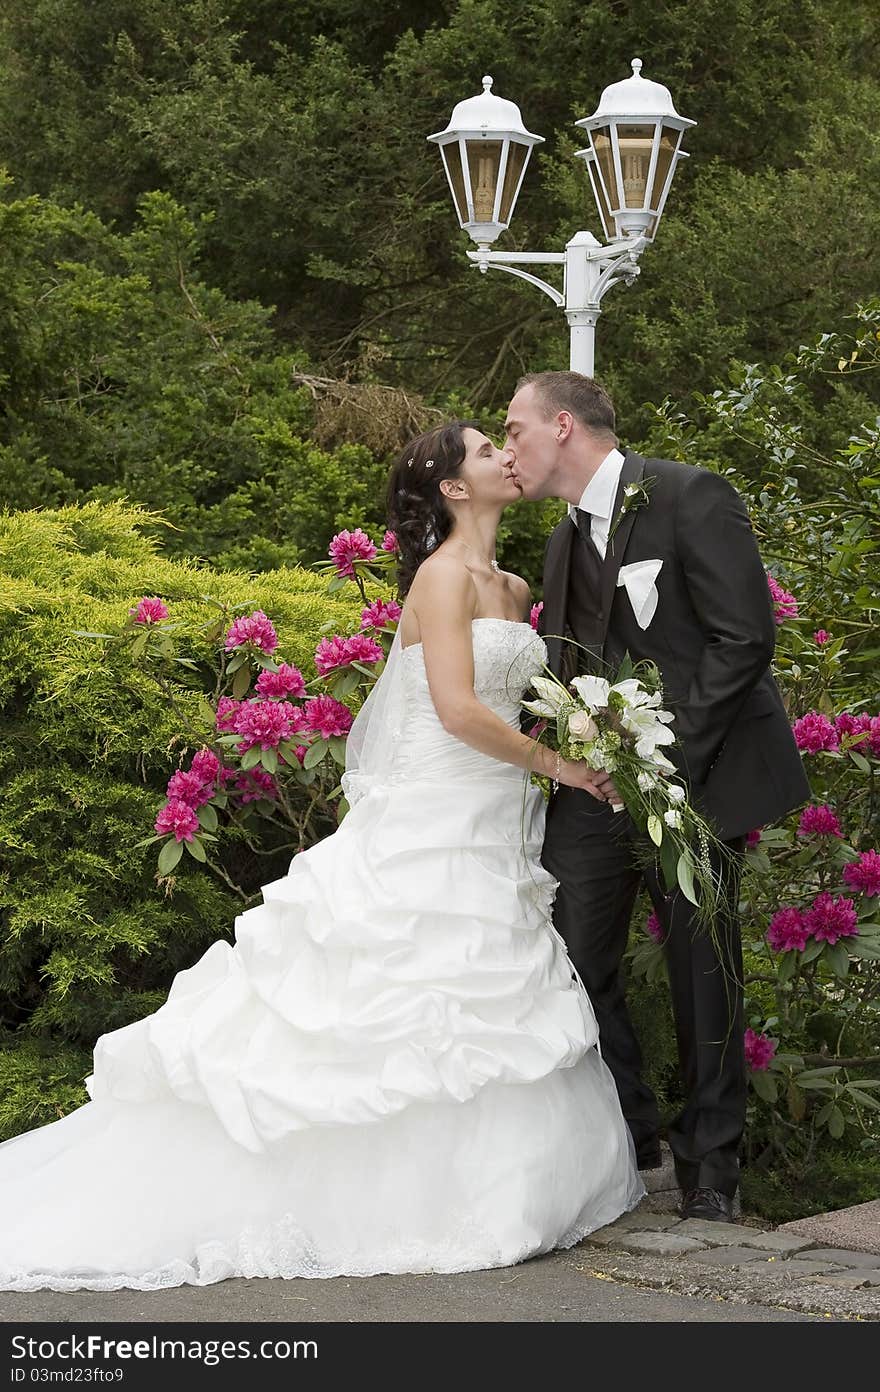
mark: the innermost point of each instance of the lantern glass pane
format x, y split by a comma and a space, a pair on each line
601, 201
516, 158
668, 146
484, 157
636, 144
601, 139
452, 160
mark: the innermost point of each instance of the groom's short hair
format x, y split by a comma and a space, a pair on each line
573, 392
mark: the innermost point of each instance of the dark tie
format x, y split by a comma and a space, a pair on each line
591, 559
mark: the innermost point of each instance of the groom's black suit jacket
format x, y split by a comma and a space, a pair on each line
712, 637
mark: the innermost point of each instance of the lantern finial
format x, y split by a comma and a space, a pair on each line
487, 84
636, 66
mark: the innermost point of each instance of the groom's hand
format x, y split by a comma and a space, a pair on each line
605, 784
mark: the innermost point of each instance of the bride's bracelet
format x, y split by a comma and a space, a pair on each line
557, 771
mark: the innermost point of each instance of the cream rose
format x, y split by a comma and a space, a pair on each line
582, 726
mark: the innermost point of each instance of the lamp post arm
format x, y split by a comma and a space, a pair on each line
500, 262
589, 268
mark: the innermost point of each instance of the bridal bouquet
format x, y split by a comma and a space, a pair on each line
620, 726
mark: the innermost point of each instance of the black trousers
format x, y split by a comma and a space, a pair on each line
590, 850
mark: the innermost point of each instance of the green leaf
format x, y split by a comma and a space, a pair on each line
251, 757
208, 817
786, 968
764, 1085
685, 873
345, 684
337, 583
315, 753
836, 1123
812, 951
287, 750
655, 829
337, 749
207, 712
235, 662
837, 959
860, 761
169, 856
863, 1098
269, 760
343, 807
241, 683
196, 849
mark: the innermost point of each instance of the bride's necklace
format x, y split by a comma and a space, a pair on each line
486, 561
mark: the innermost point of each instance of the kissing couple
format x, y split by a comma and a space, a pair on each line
417, 1055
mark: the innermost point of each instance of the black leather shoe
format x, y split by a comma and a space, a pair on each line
707, 1204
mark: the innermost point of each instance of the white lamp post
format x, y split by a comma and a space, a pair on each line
635, 144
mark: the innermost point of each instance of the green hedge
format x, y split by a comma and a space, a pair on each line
88, 940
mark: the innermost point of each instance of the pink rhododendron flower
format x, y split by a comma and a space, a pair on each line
874, 735
535, 615
753, 838
830, 919
863, 875
784, 604
654, 928
821, 637
819, 821
389, 542
380, 612
327, 717
788, 931
226, 711
265, 723
255, 631
206, 764
149, 611
256, 783
348, 547
189, 788
815, 732
760, 1049
859, 725
287, 681
177, 817
332, 653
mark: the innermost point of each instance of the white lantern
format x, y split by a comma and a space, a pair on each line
635, 139
485, 150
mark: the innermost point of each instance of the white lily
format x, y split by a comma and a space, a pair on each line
593, 691
552, 698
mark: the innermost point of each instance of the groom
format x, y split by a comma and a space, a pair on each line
657, 559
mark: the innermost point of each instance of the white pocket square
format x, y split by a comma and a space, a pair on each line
638, 580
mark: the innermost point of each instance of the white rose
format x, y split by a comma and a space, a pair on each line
672, 818
647, 781
675, 793
582, 726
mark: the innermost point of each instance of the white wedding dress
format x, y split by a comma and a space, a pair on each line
393, 1070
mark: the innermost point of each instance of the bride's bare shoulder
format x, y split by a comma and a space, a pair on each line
519, 588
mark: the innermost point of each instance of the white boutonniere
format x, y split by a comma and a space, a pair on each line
635, 495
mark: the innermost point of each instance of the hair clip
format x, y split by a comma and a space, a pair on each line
409, 463
429, 463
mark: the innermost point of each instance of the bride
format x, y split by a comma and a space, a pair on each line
395, 1068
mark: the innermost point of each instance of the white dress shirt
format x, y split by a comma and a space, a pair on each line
598, 499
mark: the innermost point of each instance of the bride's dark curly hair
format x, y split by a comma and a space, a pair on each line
417, 511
